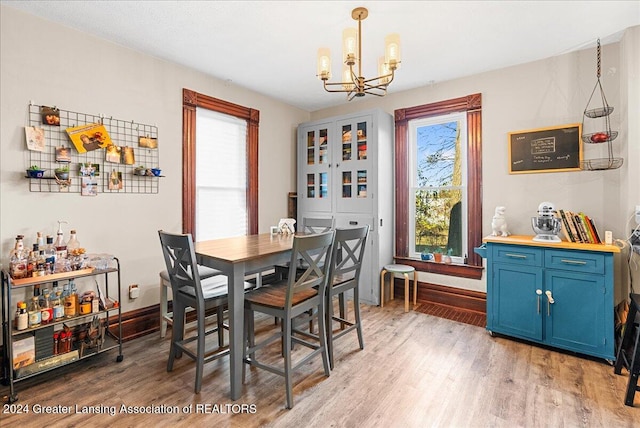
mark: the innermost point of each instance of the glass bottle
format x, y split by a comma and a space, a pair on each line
41, 264
40, 240
46, 310
73, 243
50, 253
71, 301
22, 320
41, 295
18, 259
32, 262
59, 244
35, 316
57, 306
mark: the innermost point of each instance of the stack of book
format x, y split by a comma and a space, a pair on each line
578, 227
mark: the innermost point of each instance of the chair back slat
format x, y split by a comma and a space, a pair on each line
316, 251
180, 258
317, 225
348, 253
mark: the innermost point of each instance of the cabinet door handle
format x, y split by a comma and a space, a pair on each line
539, 293
516, 256
574, 262
550, 302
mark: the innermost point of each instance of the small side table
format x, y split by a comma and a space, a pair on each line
405, 271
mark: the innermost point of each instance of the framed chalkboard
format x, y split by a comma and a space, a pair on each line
553, 149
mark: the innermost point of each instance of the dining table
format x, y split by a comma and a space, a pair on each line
238, 257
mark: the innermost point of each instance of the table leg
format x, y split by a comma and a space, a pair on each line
236, 326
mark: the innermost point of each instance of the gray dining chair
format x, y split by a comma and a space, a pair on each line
344, 275
309, 225
191, 291
297, 297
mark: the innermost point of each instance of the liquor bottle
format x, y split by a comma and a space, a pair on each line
57, 306
18, 259
41, 264
46, 310
41, 295
22, 320
40, 240
50, 253
60, 245
35, 316
71, 301
32, 261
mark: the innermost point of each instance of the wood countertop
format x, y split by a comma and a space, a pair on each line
528, 240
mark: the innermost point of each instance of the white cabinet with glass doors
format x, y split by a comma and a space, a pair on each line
345, 172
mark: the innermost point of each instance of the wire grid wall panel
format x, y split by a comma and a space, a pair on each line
125, 134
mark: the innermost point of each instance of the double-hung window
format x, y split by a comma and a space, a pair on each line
438, 185
438, 181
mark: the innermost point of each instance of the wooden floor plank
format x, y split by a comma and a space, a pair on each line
416, 370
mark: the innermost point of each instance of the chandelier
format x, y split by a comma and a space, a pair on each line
354, 84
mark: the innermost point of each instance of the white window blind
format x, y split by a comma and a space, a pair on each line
221, 175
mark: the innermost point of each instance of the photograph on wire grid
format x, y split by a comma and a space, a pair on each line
86, 138
113, 153
89, 186
35, 138
128, 157
63, 154
115, 180
148, 142
50, 116
89, 169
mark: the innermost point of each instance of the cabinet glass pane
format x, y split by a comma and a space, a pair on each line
311, 147
323, 185
311, 186
346, 184
362, 140
362, 184
346, 142
322, 153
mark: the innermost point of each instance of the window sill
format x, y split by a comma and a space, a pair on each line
463, 271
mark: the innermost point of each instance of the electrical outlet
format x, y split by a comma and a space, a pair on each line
134, 291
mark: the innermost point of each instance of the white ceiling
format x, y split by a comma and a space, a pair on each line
271, 46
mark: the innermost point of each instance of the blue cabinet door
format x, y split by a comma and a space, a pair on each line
576, 319
514, 306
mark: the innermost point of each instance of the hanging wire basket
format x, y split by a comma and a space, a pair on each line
601, 164
603, 133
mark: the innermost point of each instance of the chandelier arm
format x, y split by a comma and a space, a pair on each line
390, 76
341, 84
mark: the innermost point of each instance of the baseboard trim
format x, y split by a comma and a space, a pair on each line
447, 296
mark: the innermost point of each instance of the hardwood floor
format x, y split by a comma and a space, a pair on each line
416, 370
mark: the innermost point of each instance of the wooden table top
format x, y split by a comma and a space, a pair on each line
244, 248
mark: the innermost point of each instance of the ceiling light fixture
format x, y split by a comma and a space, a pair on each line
354, 84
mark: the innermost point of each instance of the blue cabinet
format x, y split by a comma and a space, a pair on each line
561, 297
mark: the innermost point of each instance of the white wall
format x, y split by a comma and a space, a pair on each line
54, 65
544, 93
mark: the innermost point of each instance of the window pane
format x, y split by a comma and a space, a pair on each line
438, 221
438, 155
221, 175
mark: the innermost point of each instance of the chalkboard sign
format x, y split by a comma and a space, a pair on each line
552, 149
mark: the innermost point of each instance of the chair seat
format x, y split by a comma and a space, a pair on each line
275, 294
395, 268
203, 271
213, 288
